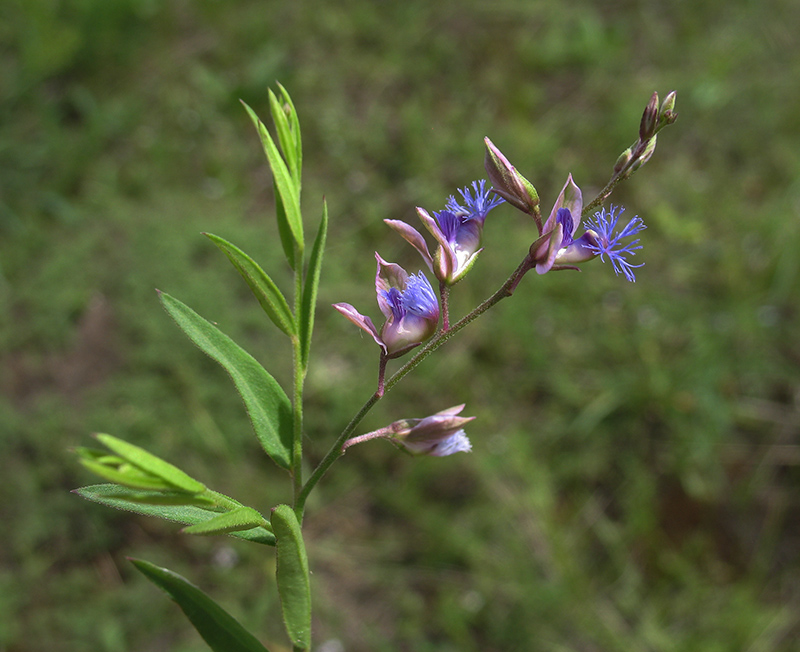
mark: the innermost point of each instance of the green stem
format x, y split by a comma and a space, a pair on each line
444, 293
637, 150
297, 385
335, 452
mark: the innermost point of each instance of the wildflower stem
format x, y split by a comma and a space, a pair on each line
505, 290
298, 378
375, 434
381, 373
444, 293
332, 455
637, 151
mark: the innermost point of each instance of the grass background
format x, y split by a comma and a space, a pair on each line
634, 483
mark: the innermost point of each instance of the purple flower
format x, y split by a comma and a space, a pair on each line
409, 304
438, 435
607, 243
558, 246
457, 229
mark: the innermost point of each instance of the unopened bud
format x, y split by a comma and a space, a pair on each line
647, 127
645, 155
623, 160
667, 115
507, 182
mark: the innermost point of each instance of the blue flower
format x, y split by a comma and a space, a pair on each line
608, 243
477, 202
409, 305
457, 229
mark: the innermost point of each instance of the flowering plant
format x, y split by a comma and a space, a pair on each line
415, 315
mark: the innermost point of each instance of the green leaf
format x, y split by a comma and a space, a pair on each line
287, 189
219, 629
294, 587
151, 464
269, 296
267, 404
285, 233
309, 303
129, 500
127, 475
242, 518
285, 136
294, 125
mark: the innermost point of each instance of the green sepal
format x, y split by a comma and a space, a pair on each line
221, 631
241, 518
152, 465
288, 191
263, 287
294, 587
112, 495
267, 405
310, 287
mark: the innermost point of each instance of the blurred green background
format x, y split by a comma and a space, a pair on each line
636, 466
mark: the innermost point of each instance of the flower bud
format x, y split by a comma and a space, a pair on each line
667, 115
623, 160
438, 435
647, 127
507, 182
644, 156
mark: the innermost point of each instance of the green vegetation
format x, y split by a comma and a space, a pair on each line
634, 483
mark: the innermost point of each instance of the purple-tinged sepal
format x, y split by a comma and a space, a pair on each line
409, 305
508, 183
361, 321
557, 247
438, 435
414, 238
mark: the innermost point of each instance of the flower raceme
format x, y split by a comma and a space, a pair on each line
457, 230
557, 247
409, 305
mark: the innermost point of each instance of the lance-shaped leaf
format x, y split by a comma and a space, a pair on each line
288, 191
152, 465
267, 404
241, 518
269, 296
148, 503
294, 587
283, 127
294, 126
219, 629
309, 303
